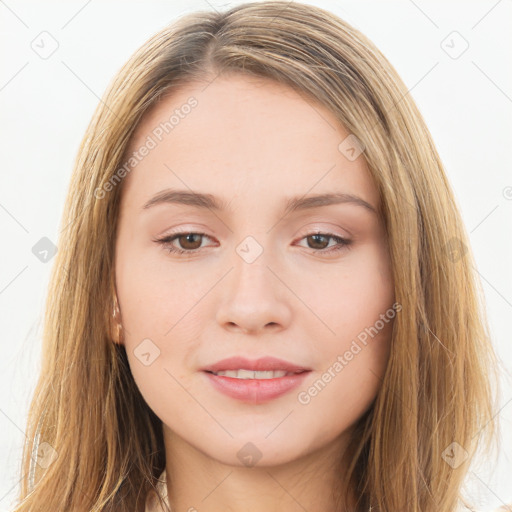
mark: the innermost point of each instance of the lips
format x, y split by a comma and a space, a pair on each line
263, 364
255, 381
255, 391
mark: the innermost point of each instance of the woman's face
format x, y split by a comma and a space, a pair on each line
259, 281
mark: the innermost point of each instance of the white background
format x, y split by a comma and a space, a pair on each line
46, 105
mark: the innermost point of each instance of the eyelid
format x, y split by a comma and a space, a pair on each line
304, 233
329, 229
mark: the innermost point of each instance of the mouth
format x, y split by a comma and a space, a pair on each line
263, 368
255, 387
255, 374
254, 381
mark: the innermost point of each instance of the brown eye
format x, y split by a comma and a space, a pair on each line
187, 241
317, 242
190, 242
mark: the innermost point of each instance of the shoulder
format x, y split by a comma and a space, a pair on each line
152, 502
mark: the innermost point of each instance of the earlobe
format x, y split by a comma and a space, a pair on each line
116, 327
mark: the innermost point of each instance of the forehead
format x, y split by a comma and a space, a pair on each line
243, 137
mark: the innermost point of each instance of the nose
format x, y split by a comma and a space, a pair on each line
254, 299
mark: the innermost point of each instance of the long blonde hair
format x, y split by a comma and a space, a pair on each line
87, 412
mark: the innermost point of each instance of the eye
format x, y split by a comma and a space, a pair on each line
319, 239
191, 242
187, 238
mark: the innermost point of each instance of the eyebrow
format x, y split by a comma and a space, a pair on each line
210, 202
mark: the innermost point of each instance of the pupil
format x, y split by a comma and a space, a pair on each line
316, 237
189, 238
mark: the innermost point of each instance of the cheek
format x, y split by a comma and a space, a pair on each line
161, 325
153, 295
359, 310
354, 359
349, 297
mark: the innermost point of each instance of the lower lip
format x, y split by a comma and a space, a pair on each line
256, 391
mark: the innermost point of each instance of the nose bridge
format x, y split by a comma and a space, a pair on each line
253, 297
254, 237
257, 251
251, 275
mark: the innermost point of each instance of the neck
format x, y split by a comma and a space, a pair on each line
196, 481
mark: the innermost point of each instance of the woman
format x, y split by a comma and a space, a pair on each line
320, 347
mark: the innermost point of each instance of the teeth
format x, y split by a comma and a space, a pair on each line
249, 374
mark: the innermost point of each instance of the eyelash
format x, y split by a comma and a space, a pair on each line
343, 243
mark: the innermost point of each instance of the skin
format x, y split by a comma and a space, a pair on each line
253, 143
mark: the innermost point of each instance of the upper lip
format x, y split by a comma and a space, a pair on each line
261, 364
